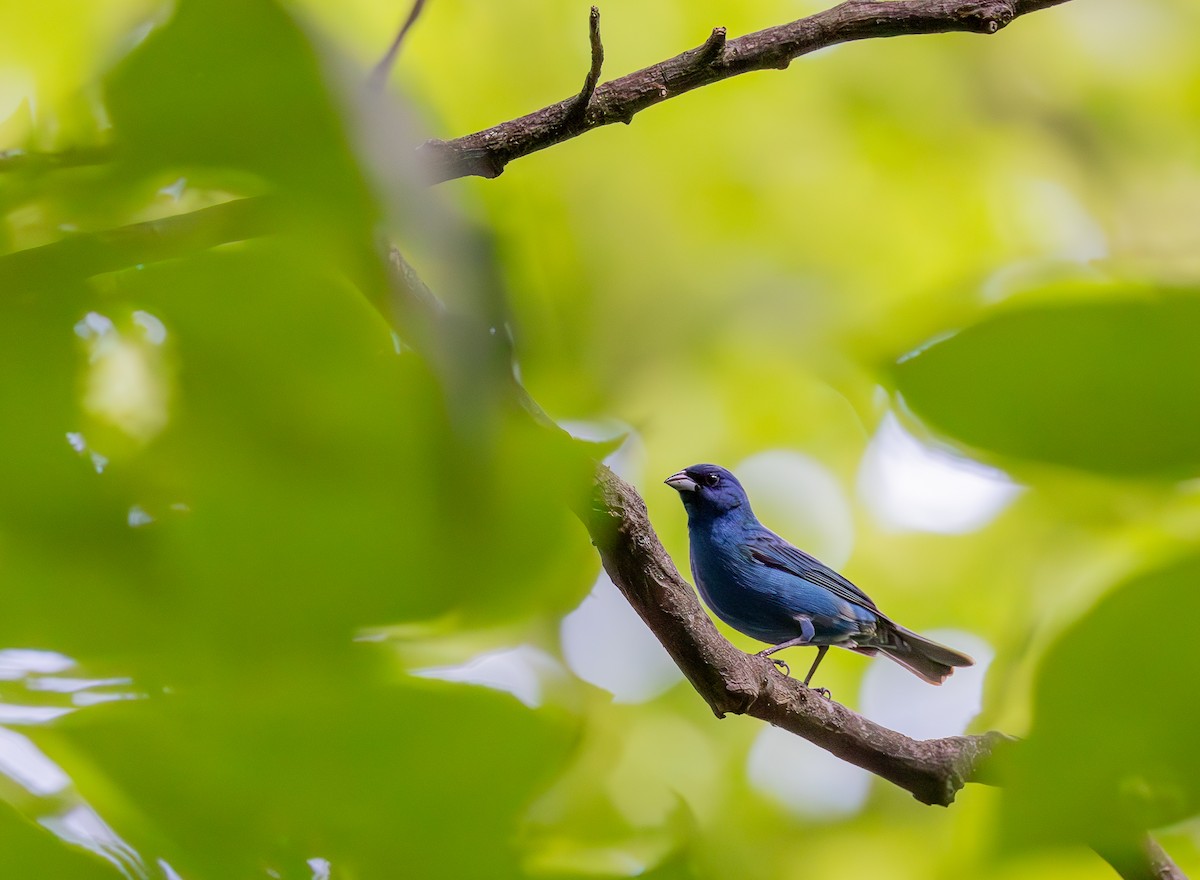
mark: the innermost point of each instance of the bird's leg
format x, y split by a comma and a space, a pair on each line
805, 638
791, 643
820, 656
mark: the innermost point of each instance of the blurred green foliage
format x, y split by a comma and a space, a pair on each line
1077, 384
239, 516
1106, 753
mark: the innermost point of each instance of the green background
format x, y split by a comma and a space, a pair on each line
237, 514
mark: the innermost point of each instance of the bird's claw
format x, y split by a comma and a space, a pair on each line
782, 665
824, 692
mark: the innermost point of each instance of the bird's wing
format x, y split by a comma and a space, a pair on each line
770, 550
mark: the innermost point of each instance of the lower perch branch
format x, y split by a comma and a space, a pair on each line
732, 681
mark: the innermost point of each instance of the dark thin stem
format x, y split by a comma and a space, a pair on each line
485, 153
578, 111
381, 71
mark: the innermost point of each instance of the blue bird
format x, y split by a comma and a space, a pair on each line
764, 587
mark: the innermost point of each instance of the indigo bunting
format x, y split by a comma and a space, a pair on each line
764, 587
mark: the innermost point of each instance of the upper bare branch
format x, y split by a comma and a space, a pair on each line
485, 153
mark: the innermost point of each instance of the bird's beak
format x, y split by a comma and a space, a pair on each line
681, 482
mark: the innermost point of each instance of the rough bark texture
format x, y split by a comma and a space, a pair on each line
485, 153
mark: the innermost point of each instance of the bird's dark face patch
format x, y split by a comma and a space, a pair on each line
708, 489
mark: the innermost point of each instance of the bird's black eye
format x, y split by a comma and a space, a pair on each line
713, 480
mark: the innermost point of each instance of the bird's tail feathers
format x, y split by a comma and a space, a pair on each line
923, 657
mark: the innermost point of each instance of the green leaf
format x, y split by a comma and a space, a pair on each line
235, 93
1113, 744
422, 779
1105, 385
31, 851
308, 482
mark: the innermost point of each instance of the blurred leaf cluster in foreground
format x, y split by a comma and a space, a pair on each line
284, 598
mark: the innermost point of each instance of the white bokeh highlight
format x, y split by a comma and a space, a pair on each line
908, 485
523, 671
49, 796
800, 499
125, 384
1059, 222
628, 460
808, 781
83, 826
606, 644
17, 663
894, 697
23, 763
17, 715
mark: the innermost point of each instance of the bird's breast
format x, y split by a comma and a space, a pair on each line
734, 587
761, 601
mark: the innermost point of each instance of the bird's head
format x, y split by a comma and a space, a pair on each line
708, 490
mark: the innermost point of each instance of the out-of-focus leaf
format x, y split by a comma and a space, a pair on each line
1113, 744
322, 491
425, 779
1107, 385
235, 91
30, 851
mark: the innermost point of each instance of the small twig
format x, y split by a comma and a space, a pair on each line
380, 73
578, 109
713, 48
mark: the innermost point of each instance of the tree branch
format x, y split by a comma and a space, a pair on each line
731, 681
728, 679
485, 153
